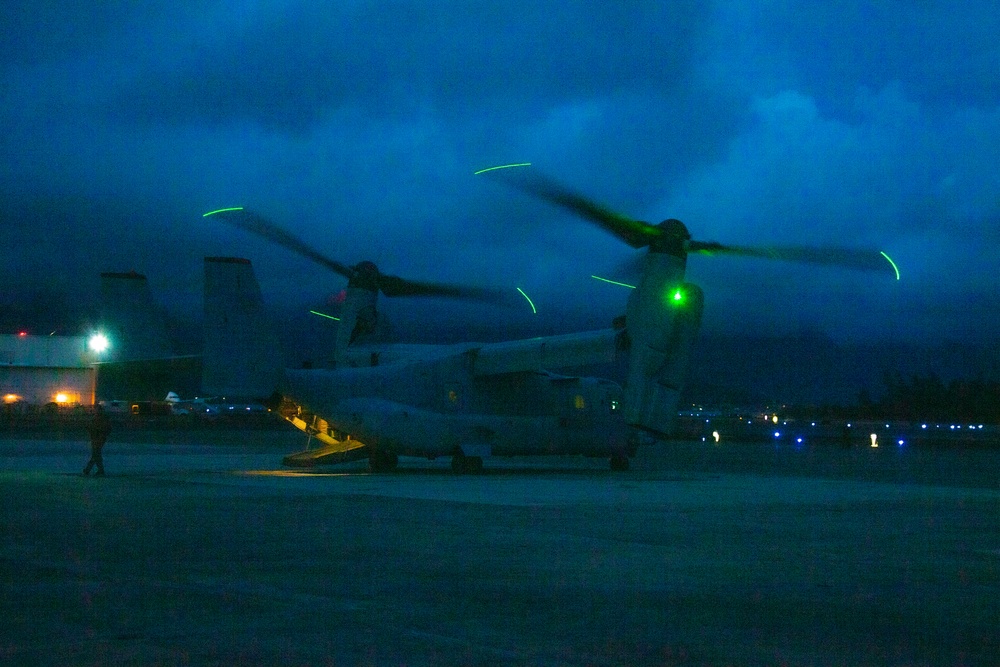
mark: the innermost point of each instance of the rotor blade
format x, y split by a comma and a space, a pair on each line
636, 233
390, 285
851, 258
396, 286
251, 222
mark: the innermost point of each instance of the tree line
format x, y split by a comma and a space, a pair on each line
928, 398
924, 398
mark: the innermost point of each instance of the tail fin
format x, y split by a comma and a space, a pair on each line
242, 356
134, 323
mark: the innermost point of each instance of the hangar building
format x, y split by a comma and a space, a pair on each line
37, 370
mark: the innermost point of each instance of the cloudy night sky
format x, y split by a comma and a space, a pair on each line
358, 125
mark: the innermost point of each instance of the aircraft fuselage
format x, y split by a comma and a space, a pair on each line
441, 407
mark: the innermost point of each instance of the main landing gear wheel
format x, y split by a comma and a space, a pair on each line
464, 465
619, 462
379, 461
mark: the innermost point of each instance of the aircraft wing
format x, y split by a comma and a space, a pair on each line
536, 354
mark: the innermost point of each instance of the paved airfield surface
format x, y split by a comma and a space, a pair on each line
208, 553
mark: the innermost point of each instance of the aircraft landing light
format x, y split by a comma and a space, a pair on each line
502, 166
222, 210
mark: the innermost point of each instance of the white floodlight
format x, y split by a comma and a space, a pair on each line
98, 343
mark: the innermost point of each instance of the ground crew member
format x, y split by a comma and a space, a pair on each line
99, 428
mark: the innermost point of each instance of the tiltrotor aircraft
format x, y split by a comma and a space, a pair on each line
471, 400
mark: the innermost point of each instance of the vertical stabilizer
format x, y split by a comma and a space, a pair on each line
242, 356
133, 323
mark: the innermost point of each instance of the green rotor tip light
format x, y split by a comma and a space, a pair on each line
502, 166
222, 210
891, 263
613, 282
530, 303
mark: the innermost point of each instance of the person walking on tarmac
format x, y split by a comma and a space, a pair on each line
98, 429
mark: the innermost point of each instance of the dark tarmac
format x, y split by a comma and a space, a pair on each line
204, 553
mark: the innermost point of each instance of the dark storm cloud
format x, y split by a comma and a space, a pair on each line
358, 125
299, 61
941, 54
37, 32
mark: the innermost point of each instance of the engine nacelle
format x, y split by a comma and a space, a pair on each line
662, 322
